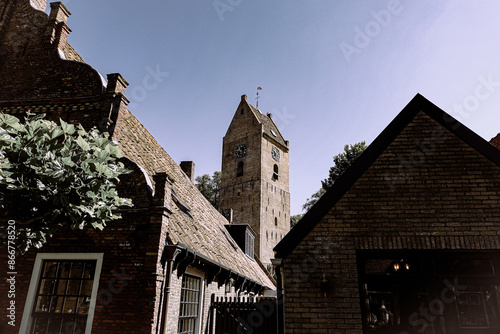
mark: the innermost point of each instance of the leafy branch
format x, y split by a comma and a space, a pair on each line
55, 175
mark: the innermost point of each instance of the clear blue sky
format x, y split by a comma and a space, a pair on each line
331, 72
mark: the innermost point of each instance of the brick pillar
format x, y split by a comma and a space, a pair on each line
61, 35
57, 28
157, 239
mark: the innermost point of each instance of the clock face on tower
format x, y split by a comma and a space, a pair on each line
275, 153
241, 150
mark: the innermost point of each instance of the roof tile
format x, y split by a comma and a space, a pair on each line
203, 229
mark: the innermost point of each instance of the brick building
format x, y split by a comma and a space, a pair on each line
406, 241
255, 178
154, 270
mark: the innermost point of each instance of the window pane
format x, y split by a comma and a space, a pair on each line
56, 304
40, 326
47, 286
89, 270
50, 269
70, 305
73, 287
55, 325
68, 326
42, 304
86, 288
76, 270
65, 268
61, 287
83, 305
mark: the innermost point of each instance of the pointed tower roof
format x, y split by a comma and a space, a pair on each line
270, 129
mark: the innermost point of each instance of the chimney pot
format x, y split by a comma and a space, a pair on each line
116, 83
59, 12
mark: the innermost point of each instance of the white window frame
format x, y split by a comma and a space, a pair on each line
201, 275
35, 279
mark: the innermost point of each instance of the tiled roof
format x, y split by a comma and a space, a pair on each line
270, 128
496, 141
202, 227
71, 54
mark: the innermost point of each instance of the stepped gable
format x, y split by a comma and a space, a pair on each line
195, 223
36, 57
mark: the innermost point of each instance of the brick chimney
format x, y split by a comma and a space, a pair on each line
188, 168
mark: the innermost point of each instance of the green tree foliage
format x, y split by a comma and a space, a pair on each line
295, 219
209, 186
313, 199
341, 162
52, 176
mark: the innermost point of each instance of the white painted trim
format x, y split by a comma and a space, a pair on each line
201, 275
35, 278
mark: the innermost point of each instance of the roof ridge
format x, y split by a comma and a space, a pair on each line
418, 104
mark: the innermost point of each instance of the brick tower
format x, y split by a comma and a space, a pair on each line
254, 181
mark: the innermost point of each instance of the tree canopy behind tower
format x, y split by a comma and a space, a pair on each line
209, 186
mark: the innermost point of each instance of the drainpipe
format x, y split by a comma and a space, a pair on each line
278, 269
169, 253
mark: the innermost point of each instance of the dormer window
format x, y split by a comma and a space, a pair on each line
244, 237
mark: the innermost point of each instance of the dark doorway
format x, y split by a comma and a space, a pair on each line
430, 292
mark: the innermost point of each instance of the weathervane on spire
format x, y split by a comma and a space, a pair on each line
257, 98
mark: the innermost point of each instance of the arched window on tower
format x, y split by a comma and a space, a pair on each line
239, 169
275, 173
